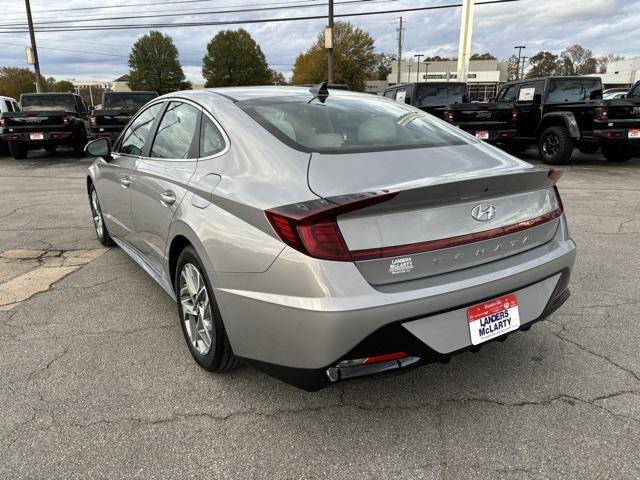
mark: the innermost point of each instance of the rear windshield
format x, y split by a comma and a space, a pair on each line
574, 90
429, 95
127, 101
345, 124
32, 103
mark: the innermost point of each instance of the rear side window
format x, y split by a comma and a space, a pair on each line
176, 132
508, 94
16, 107
390, 93
574, 90
135, 136
348, 123
211, 140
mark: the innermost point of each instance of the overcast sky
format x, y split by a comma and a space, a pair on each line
603, 26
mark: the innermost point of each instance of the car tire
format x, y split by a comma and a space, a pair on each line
200, 316
98, 220
555, 145
617, 153
79, 144
516, 147
588, 148
18, 150
4, 148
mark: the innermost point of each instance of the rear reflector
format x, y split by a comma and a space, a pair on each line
311, 227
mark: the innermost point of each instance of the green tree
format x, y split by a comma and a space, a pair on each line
354, 58
276, 78
577, 60
382, 68
234, 58
513, 68
62, 86
15, 81
482, 56
543, 64
155, 65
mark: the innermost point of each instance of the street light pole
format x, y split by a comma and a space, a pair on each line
409, 74
519, 48
426, 74
418, 56
329, 45
32, 35
523, 59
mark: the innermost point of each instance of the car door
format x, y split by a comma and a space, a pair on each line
115, 177
529, 102
162, 176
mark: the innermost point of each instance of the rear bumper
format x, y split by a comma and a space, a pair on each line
56, 136
107, 132
617, 136
496, 134
296, 337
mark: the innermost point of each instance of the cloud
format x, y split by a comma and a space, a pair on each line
601, 25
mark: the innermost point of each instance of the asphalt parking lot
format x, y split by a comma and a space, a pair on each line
96, 380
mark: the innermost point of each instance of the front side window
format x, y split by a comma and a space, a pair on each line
176, 131
346, 123
574, 90
135, 136
211, 140
43, 102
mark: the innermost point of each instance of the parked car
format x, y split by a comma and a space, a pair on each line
324, 235
116, 109
492, 122
47, 120
614, 95
613, 91
560, 113
634, 92
7, 104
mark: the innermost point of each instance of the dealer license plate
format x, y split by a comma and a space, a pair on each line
491, 319
482, 134
36, 136
634, 133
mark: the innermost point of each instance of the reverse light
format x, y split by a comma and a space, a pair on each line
65, 121
312, 228
514, 115
93, 121
602, 114
2, 122
448, 116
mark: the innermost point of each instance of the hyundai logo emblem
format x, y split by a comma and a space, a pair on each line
483, 212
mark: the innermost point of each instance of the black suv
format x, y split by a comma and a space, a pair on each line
448, 101
47, 120
560, 113
117, 109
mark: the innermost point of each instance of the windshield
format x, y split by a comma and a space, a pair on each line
429, 95
350, 123
574, 90
127, 101
32, 103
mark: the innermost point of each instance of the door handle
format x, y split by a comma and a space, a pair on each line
167, 198
125, 181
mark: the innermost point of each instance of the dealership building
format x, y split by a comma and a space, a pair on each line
620, 74
484, 75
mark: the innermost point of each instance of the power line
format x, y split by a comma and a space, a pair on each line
246, 21
161, 15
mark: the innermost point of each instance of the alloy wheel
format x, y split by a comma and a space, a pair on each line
196, 309
551, 145
97, 214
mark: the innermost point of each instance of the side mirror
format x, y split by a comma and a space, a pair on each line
100, 147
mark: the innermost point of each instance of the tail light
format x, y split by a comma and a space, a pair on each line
555, 174
65, 121
448, 116
93, 121
312, 227
2, 122
602, 114
514, 115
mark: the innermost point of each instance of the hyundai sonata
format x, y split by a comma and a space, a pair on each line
322, 235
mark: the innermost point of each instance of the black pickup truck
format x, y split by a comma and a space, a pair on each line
117, 109
448, 101
47, 120
561, 113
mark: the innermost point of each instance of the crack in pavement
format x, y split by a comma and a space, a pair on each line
49, 363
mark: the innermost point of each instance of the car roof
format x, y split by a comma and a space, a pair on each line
239, 94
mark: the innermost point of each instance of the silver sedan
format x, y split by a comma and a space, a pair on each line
322, 235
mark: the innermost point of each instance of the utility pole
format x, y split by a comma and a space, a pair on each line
466, 32
519, 48
409, 75
400, 31
328, 43
426, 74
523, 59
418, 56
36, 64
